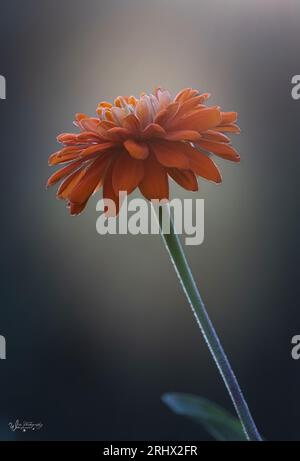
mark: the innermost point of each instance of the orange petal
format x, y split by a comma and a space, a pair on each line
228, 117
66, 138
211, 135
89, 124
228, 128
190, 104
118, 133
88, 136
142, 112
185, 94
69, 183
155, 183
109, 193
167, 114
183, 135
58, 157
200, 120
221, 149
80, 116
62, 173
185, 178
203, 166
131, 123
153, 131
171, 153
76, 208
163, 97
96, 149
87, 184
138, 150
127, 173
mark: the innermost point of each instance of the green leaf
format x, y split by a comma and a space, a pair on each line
218, 422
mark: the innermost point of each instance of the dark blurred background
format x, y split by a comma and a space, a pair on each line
97, 328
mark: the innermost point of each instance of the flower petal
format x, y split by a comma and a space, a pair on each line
167, 114
89, 124
138, 150
109, 193
142, 111
153, 131
221, 149
185, 178
69, 183
185, 94
131, 123
199, 120
62, 173
183, 135
211, 135
228, 117
228, 128
96, 149
155, 184
170, 153
127, 173
87, 184
203, 166
76, 208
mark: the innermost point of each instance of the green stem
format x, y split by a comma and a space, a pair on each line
187, 281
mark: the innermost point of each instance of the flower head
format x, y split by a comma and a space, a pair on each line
141, 143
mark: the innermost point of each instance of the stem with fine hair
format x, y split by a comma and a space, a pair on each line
191, 291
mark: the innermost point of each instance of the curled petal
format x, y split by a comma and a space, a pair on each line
155, 183
131, 123
137, 150
212, 135
228, 128
67, 138
185, 94
170, 154
221, 149
127, 173
118, 114
163, 97
167, 114
143, 112
185, 178
228, 117
153, 131
190, 104
104, 104
89, 124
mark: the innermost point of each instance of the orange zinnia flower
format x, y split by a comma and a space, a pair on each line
140, 143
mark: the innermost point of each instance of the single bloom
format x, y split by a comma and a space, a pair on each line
141, 143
